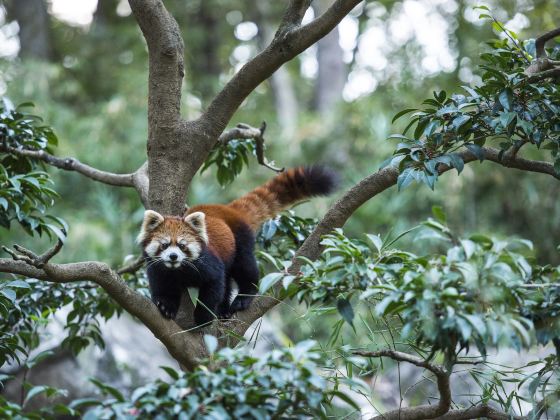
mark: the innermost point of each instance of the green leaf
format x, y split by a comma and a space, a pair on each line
108, 389
347, 399
9, 293
401, 113
171, 372
476, 150
439, 214
57, 231
268, 281
345, 309
405, 178
36, 390
18, 284
506, 99
376, 241
456, 161
287, 280
506, 118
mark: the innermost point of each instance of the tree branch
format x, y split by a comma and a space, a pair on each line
241, 131
478, 411
350, 201
72, 164
244, 131
441, 410
543, 39
422, 411
293, 16
184, 346
171, 145
290, 40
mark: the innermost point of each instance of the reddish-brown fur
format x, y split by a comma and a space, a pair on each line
217, 242
257, 206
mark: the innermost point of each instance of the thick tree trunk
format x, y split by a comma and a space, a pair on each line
34, 27
332, 71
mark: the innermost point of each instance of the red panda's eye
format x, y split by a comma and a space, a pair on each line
164, 246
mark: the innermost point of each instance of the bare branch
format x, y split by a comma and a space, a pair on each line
543, 39
240, 131
403, 357
142, 183
542, 67
422, 411
293, 16
72, 164
543, 74
441, 410
244, 131
287, 44
37, 261
479, 411
133, 267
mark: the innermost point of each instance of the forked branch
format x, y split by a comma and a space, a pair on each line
290, 40
441, 409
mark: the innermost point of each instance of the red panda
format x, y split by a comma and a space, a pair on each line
213, 244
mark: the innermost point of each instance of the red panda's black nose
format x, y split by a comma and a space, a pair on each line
173, 257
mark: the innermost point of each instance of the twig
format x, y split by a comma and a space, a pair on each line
72, 164
37, 261
240, 131
245, 131
133, 267
543, 39
259, 141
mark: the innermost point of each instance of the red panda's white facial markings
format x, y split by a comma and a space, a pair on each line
173, 240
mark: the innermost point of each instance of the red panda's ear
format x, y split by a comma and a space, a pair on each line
197, 221
152, 219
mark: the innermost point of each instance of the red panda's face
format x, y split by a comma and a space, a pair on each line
173, 240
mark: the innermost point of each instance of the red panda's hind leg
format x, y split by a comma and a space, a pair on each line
244, 269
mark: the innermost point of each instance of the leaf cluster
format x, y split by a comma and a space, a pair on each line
478, 290
229, 159
509, 108
26, 306
25, 188
231, 384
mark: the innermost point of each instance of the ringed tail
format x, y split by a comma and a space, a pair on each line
283, 190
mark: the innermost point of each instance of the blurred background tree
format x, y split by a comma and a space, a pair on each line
85, 68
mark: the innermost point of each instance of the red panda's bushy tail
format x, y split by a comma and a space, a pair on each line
283, 190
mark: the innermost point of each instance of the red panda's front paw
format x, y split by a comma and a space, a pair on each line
166, 309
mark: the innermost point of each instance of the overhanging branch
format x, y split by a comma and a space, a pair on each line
73, 164
355, 197
290, 40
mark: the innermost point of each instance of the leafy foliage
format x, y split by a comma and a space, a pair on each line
509, 107
25, 189
27, 305
229, 159
480, 291
230, 385
284, 234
